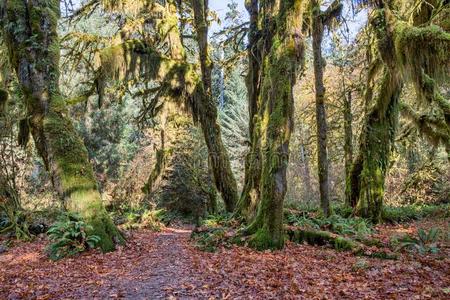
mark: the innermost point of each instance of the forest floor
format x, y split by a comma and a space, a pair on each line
166, 265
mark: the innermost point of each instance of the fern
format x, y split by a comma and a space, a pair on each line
70, 236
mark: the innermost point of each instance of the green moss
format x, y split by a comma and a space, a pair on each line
263, 239
320, 238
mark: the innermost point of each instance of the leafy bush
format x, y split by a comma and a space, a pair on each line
70, 236
425, 242
151, 219
209, 240
414, 212
220, 220
4, 221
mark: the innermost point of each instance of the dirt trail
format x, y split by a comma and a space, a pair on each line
165, 265
152, 266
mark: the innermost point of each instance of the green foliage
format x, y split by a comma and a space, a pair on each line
360, 264
219, 220
352, 226
70, 236
414, 212
4, 221
209, 240
154, 220
424, 242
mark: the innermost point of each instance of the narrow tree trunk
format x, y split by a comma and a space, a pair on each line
306, 172
250, 196
64, 154
348, 142
220, 162
321, 117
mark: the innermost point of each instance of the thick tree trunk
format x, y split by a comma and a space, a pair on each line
63, 152
321, 117
282, 62
207, 113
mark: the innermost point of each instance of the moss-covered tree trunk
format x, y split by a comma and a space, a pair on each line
180, 180
30, 31
378, 135
376, 147
207, 113
282, 27
425, 66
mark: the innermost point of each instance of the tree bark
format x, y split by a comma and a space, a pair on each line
37, 67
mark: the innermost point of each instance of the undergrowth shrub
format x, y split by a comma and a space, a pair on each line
424, 242
155, 220
209, 240
414, 212
352, 226
70, 236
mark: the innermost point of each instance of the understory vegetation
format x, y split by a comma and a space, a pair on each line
258, 127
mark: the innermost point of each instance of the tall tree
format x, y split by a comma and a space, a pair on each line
319, 21
207, 112
278, 31
30, 33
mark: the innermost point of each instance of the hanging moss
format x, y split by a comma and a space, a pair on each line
377, 143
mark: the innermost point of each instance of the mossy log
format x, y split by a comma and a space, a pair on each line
322, 238
57, 142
